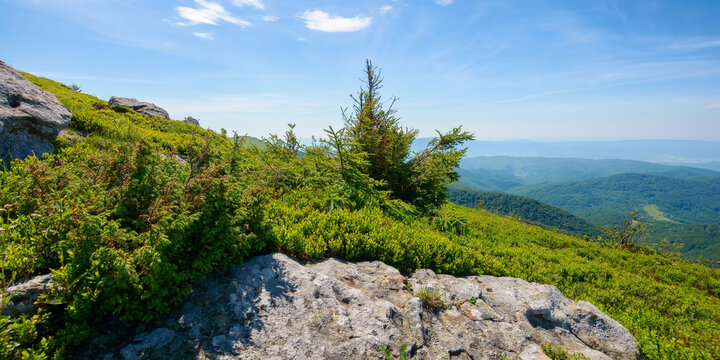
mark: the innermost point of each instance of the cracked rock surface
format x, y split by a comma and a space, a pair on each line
273, 307
30, 118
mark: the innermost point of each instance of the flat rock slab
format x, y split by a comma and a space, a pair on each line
272, 307
30, 118
145, 108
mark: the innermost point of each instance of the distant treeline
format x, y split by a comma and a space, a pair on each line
529, 210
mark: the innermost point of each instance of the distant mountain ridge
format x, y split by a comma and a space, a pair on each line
697, 153
689, 201
503, 173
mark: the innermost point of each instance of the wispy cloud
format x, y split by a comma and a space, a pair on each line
385, 9
65, 76
714, 106
696, 44
534, 96
269, 18
204, 35
207, 13
322, 21
444, 2
241, 103
255, 3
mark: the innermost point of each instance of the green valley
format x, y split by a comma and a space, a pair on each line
528, 210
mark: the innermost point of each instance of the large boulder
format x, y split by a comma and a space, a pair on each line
30, 118
22, 296
145, 108
272, 307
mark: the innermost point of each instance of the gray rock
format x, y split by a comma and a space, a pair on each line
30, 118
145, 108
25, 294
192, 120
272, 307
143, 342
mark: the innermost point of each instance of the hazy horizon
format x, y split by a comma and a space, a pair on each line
505, 70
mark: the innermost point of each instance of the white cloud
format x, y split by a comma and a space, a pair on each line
385, 9
269, 18
322, 21
444, 2
204, 35
208, 13
302, 39
256, 3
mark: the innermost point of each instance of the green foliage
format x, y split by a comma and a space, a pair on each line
692, 201
632, 231
556, 353
376, 135
431, 298
389, 356
127, 215
529, 210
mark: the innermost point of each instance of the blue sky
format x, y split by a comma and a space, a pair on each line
540, 70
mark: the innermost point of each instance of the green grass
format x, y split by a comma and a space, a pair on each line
655, 213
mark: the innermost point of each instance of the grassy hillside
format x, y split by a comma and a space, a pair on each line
537, 170
692, 201
682, 211
529, 210
125, 227
489, 179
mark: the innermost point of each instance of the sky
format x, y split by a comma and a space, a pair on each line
536, 70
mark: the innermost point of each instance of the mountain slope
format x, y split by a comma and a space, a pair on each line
536, 170
529, 210
691, 201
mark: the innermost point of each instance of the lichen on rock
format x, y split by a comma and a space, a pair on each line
273, 307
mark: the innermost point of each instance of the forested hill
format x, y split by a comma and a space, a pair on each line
505, 172
689, 201
529, 210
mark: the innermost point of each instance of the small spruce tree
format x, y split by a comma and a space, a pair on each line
419, 179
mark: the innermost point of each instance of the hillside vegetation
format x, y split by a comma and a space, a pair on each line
529, 210
125, 227
692, 201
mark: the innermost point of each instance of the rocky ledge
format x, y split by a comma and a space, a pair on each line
144, 108
272, 307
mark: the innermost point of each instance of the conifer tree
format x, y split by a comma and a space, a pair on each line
419, 179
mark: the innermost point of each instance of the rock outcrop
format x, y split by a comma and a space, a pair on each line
25, 294
30, 118
272, 307
145, 108
192, 120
